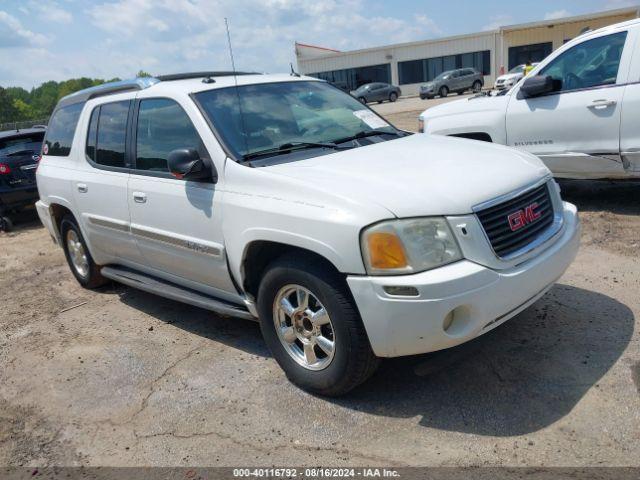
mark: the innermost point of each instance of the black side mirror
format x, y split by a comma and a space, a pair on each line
185, 163
538, 85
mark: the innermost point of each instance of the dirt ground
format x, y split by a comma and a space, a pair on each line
119, 377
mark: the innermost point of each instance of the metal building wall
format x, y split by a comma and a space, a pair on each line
497, 42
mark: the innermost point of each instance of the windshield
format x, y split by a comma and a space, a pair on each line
265, 116
518, 69
21, 145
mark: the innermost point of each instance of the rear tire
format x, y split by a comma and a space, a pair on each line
393, 96
77, 254
337, 357
477, 87
444, 91
6, 225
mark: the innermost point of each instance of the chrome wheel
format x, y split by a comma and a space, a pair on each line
77, 253
304, 327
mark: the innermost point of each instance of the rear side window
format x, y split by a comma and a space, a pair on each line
62, 127
112, 134
107, 134
163, 126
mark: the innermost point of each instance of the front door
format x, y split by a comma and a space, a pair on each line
575, 129
176, 223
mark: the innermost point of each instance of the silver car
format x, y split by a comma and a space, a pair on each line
458, 81
376, 92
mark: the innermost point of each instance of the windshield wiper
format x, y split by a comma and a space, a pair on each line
367, 133
290, 147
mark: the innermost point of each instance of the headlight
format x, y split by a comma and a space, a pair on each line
398, 247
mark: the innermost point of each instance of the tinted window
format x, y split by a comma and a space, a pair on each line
112, 133
416, 71
163, 126
589, 64
62, 127
92, 134
20, 145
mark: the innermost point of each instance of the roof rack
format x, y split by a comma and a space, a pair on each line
107, 89
185, 76
137, 84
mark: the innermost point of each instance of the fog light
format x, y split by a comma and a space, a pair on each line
401, 291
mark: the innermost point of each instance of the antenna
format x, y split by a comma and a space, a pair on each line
235, 79
293, 72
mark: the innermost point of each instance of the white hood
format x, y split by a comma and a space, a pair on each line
418, 175
468, 105
509, 76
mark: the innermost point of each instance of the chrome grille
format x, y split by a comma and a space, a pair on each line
495, 221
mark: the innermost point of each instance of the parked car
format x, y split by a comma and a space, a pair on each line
513, 76
344, 86
19, 155
458, 81
578, 110
282, 198
376, 92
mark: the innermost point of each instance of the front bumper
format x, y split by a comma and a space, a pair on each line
476, 298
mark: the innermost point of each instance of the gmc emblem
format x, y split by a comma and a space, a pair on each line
519, 219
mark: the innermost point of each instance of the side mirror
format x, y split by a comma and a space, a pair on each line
538, 85
185, 163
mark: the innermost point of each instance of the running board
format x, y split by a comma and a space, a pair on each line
174, 292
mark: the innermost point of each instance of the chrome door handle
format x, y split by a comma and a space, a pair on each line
139, 197
82, 187
602, 103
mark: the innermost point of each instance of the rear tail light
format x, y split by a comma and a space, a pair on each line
4, 169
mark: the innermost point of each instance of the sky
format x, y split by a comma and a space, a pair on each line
44, 40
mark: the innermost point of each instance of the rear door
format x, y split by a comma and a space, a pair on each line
575, 130
100, 184
176, 223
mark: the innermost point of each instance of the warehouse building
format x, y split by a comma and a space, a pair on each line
411, 64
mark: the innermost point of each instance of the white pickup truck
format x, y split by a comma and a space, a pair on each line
578, 110
283, 198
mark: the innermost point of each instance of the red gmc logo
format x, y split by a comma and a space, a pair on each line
519, 219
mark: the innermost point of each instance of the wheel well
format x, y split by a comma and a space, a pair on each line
58, 212
481, 136
260, 254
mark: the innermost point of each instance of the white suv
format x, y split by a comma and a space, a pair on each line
282, 198
578, 110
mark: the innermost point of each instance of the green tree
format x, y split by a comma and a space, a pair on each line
7, 110
23, 110
142, 74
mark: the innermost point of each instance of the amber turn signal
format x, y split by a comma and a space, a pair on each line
386, 251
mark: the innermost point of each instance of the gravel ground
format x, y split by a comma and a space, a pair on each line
119, 377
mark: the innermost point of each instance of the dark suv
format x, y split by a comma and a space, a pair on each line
457, 81
19, 156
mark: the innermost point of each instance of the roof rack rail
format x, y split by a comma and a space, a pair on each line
188, 75
107, 89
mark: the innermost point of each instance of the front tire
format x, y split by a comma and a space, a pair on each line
362, 100
477, 87
444, 91
312, 327
78, 257
393, 96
